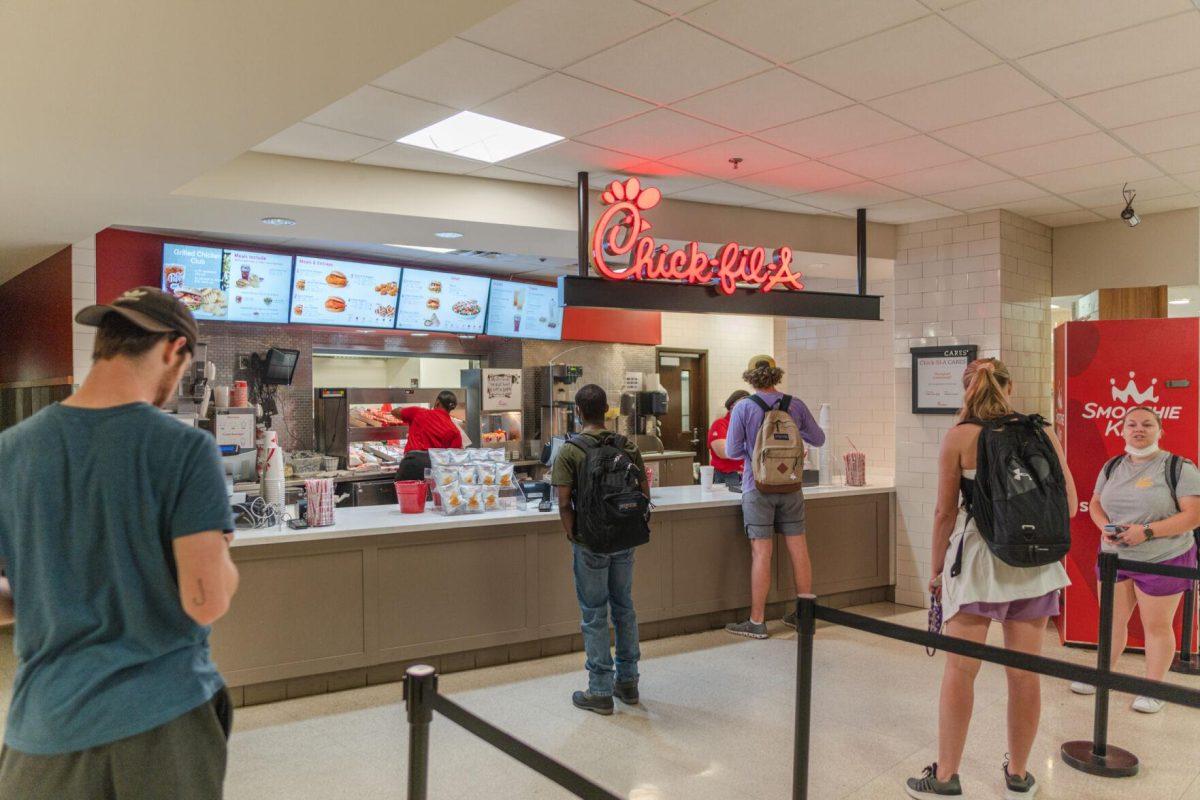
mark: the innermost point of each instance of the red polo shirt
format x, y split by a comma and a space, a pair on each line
429, 427
719, 430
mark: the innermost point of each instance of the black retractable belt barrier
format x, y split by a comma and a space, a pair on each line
420, 689
1188, 661
806, 624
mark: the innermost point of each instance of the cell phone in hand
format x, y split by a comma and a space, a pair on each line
1113, 531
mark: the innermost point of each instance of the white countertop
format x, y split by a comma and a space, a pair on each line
380, 520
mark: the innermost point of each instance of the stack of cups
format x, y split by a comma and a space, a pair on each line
272, 477
320, 501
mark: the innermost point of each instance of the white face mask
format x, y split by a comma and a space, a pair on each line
1141, 452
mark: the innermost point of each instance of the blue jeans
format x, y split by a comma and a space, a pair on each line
603, 580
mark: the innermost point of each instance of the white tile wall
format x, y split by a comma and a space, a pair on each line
83, 293
979, 279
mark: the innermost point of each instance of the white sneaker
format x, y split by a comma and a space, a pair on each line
1082, 688
1148, 705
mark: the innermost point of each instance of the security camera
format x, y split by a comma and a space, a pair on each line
1128, 214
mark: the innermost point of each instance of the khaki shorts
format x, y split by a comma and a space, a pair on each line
766, 514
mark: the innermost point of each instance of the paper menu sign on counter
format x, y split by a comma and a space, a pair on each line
524, 309
259, 285
330, 292
442, 302
193, 274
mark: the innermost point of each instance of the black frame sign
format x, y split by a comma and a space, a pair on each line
937, 377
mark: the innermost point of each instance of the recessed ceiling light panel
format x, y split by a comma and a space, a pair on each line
277, 221
1183, 301
471, 135
448, 235
422, 249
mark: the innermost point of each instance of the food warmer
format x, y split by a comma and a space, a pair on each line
358, 422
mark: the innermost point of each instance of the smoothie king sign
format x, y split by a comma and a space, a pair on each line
622, 232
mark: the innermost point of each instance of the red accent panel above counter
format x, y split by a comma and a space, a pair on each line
583, 324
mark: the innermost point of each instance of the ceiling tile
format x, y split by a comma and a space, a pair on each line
811, 176
785, 30
991, 195
1019, 129
1190, 179
1163, 134
676, 6
1146, 189
1069, 218
314, 141
914, 209
659, 133
856, 195
1091, 148
555, 33
919, 52
668, 180
893, 158
1185, 159
459, 74
714, 159
976, 95
836, 132
403, 156
789, 206
1039, 206
564, 159
723, 193
380, 114
564, 105
1114, 59
955, 175
1019, 27
1089, 177
505, 174
763, 101
669, 63
1145, 100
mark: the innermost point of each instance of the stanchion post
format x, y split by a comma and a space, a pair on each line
1097, 757
420, 688
1188, 663
806, 625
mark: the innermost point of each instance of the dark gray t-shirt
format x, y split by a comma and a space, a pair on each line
1137, 494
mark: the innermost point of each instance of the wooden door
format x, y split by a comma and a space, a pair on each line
685, 425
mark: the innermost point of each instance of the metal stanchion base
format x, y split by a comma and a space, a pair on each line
1117, 763
1186, 667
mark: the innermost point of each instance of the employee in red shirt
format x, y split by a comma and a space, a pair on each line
727, 470
427, 428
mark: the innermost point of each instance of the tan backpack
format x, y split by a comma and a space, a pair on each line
778, 459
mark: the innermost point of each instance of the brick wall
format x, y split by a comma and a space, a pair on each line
980, 279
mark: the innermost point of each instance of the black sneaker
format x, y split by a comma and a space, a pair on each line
928, 786
789, 619
588, 702
627, 693
1019, 788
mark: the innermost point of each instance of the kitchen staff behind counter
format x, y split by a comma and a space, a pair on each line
727, 471
427, 427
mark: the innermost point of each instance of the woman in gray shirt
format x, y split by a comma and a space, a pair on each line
1144, 524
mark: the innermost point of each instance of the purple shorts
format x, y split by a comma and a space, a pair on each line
1158, 585
1016, 610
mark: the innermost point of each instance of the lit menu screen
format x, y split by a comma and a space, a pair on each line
328, 292
438, 301
258, 284
525, 310
193, 274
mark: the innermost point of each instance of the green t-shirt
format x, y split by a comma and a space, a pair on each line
570, 459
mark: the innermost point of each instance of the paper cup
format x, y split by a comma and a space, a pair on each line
706, 477
221, 396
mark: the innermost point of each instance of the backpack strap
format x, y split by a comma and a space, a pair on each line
584, 443
758, 401
1110, 467
785, 404
1174, 469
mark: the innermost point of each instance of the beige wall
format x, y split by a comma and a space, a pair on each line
392, 372
1163, 250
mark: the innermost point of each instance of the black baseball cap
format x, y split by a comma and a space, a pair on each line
149, 308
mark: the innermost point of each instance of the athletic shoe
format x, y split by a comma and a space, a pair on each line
753, 630
627, 692
589, 702
1148, 705
928, 786
1082, 688
1019, 788
789, 619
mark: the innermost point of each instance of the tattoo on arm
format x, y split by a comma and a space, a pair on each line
200, 597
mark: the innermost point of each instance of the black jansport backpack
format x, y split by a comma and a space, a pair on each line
611, 513
1019, 496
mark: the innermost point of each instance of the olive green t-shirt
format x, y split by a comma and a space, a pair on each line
571, 458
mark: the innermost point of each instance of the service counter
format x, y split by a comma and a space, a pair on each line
353, 603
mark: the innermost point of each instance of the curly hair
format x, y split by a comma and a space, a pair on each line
763, 376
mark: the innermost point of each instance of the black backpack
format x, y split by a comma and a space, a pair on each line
1019, 496
611, 513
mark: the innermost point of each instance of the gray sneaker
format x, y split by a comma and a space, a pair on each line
753, 630
789, 619
928, 786
1019, 788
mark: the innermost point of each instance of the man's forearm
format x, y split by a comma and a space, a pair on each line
567, 517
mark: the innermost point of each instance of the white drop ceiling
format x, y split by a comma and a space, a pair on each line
914, 110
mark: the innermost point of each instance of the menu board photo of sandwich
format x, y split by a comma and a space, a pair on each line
329, 292
193, 274
524, 310
442, 302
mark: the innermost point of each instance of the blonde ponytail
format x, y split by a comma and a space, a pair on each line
985, 390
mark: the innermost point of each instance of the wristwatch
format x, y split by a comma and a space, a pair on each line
1148, 532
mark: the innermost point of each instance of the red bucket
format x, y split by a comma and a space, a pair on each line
411, 496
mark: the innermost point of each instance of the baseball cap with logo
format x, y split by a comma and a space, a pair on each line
150, 309
756, 360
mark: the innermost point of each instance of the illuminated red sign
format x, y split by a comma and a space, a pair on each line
621, 231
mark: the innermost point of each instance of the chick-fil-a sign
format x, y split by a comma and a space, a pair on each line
621, 230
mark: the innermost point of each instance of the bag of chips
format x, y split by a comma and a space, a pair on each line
468, 475
487, 475
439, 457
505, 475
494, 455
444, 476
459, 456
454, 501
473, 499
491, 498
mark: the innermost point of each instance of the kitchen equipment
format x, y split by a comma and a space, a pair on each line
344, 416
640, 412
373, 493
555, 398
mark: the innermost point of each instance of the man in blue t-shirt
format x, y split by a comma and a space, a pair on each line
114, 531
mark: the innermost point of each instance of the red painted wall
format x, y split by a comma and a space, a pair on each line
125, 259
35, 322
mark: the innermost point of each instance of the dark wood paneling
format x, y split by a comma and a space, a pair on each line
35, 322
1137, 302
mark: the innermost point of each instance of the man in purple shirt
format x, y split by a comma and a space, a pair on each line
765, 514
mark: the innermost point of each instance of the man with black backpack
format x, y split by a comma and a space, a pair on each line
604, 504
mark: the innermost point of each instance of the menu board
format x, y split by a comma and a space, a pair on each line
193, 274
228, 285
438, 301
328, 292
937, 377
524, 309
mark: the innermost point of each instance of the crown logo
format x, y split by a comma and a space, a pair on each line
1131, 393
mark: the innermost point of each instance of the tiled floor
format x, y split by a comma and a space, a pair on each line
715, 723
